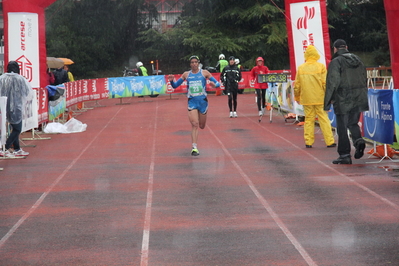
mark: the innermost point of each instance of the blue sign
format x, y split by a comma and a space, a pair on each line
136, 86
332, 117
378, 122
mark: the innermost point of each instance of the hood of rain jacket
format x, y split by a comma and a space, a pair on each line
16, 88
310, 80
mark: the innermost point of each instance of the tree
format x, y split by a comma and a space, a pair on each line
101, 35
362, 24
245, 29
96, 34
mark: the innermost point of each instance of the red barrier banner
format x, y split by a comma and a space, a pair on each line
86, 90
42, 104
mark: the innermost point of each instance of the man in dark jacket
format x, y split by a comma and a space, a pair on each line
61, 76
347, 91
230, 77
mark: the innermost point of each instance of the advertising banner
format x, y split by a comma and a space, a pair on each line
42, 104
378, 122
30, 114
23, 44
86, 90
306, 24
136, 86
57, 108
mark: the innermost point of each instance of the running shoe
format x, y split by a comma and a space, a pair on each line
21, 152
6, 153
194, 152
235, 114
231, 114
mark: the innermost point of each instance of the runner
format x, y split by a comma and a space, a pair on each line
260, 88
197, 100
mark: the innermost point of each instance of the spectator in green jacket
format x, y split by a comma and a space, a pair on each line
141, 69
222, 63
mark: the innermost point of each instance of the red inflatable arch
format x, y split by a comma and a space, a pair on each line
392, 14
29, 6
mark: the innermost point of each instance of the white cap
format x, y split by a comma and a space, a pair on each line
221, 56
139, 64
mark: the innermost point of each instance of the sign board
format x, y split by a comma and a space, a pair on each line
272, 78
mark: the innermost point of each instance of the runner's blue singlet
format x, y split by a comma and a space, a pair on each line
196, 84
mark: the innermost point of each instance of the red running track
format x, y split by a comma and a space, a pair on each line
128, 192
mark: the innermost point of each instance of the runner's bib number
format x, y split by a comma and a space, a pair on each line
196, 88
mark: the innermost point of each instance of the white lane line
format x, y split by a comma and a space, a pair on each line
50, 188
147, 216
366, 189
267, 206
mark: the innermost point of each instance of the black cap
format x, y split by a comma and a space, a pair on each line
13, 67
232, 58
340, 43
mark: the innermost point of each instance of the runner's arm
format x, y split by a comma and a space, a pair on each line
209, 76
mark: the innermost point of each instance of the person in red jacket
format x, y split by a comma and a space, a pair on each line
260, 88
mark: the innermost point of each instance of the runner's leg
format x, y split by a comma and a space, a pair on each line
193, 118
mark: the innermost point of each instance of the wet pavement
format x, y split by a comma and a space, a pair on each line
127, 192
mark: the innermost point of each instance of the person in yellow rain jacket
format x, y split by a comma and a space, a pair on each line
309, 89
70, 75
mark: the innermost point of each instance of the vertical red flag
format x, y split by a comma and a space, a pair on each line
392, 14
307, 24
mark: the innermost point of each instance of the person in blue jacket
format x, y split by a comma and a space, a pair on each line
197, 97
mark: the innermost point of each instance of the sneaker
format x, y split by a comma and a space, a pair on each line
231, 114
7, 153
343, 160
21, 152
332, 145
308, 146
360, 150
194, 152
260, 113
235, 114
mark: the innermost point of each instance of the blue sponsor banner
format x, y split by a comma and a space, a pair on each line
379, 120
136, 86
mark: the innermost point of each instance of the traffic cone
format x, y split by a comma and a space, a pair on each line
70, 115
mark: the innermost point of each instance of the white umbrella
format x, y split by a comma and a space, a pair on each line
53, 62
